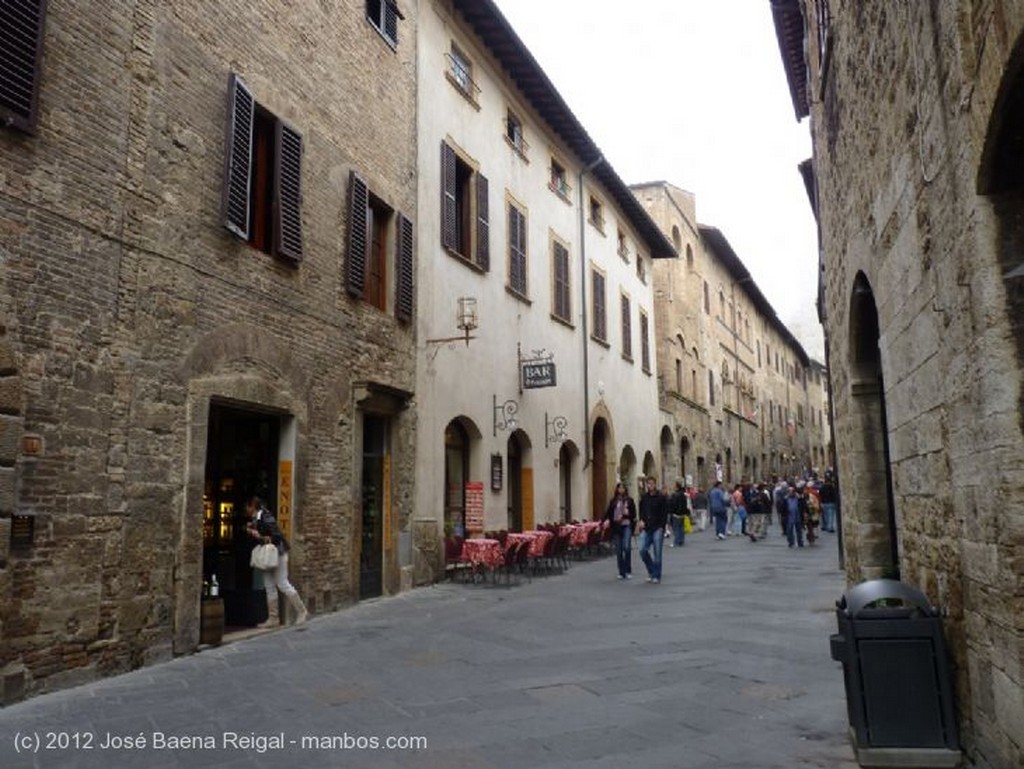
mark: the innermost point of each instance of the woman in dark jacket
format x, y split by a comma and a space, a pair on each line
621, 515
262, 527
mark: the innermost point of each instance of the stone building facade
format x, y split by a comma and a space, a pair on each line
919, 207
206, 292
737, 389
523, 220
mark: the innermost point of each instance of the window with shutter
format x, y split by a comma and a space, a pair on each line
238, 157
21, 52
358, 230
288, 193
627, 329
598, 306
645, 343
383, 15
563, 299
464, 210
483, 249
516, 250
404, 294
262, 197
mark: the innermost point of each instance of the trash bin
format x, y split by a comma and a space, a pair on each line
899, 693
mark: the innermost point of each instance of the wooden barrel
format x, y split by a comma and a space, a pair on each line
211, 621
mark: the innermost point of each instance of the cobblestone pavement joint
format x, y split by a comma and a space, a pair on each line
724, 664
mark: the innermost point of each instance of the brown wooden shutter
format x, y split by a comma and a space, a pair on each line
404, 292
600, 317
21, 52
238, 157
288, 193
517, 249
561, 282
627, 328
483, 242
358, 237
449, 210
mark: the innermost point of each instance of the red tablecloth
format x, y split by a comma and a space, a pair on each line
483, 552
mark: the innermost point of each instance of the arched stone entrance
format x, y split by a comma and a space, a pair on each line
874, 518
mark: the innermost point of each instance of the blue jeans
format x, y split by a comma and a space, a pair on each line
649, 539
677, 531
794, 530
624, 549
828, 510
720, 519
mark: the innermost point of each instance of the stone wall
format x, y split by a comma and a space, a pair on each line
921, 327
127, 308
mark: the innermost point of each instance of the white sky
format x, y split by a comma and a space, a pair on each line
693, 92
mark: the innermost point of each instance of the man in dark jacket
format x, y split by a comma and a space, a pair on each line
653, 516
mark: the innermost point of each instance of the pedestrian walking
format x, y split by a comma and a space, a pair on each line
621, 517
757, 518
679, 508
653, 517
829, 496
718, 504
795, 511
700, 508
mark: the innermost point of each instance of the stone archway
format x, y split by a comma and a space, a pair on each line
873, 521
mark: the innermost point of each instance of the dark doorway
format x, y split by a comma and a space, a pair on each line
241, 460
456, 474
599, 470
371, 553
566, 463
515, 484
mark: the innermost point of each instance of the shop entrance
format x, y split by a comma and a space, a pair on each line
241, 460
374, 481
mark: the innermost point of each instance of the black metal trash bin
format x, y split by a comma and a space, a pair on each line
899, 693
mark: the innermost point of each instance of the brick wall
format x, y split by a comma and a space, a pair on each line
127, 307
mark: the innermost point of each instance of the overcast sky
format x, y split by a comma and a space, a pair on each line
693, 92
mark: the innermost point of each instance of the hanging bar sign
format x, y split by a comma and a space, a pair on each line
538, 370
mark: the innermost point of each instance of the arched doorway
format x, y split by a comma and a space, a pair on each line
684, 459
520, 483
626, 471
871, 472
599, 469
456, 475
567, 456
650, 466
667, 460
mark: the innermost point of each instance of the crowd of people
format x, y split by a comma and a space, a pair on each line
800, 506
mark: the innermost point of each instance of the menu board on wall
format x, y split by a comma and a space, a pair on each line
474, 507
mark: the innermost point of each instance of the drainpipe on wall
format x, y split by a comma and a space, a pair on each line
583, 310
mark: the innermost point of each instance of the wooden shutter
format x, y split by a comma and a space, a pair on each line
358, 237
21, 53
516, 249
483, 245
449, 210
562, 304
238, 157
645, 348
288, 193
627, 328
404, 293
600, 317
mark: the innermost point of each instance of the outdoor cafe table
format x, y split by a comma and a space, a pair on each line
483, 552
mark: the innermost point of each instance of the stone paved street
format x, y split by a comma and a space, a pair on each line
725, 664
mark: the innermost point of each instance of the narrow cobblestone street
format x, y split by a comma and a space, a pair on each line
725, 664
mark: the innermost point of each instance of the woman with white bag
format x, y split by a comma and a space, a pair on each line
262, 526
